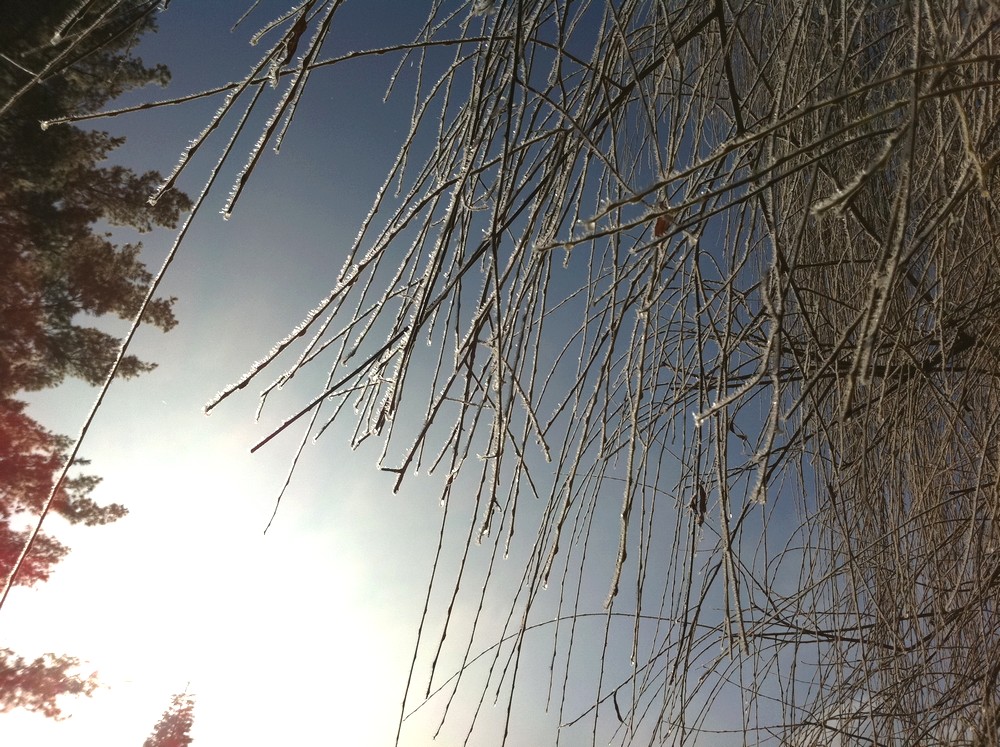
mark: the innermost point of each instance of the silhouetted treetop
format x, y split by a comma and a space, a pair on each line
59, 190
174, 728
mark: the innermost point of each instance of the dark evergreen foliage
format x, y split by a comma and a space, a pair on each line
57, 264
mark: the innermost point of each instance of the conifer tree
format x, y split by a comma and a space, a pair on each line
58, 267
174, 728
55, 263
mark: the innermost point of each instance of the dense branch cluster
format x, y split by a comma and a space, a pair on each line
717, 280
